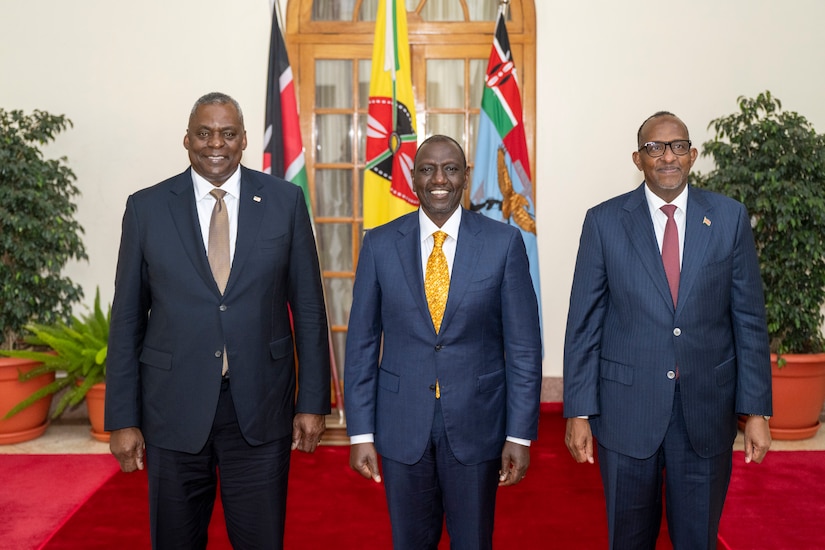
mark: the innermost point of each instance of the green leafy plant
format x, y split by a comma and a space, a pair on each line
774, 162
78, 348
38, 232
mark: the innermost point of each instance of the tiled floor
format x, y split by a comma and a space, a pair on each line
73, 437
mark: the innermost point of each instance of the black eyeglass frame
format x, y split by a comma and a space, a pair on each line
665, 145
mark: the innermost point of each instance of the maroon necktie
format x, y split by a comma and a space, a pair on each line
670, 252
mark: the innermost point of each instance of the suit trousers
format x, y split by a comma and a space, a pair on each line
694, 487
253, 485
419, 495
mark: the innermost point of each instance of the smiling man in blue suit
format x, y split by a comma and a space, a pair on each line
217, 271
447, 394
666, 344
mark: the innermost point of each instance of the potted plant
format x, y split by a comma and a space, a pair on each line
77, 350
38, 236
773, 161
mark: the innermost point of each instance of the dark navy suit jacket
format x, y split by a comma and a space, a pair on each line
487, 356
170, 322
623, 334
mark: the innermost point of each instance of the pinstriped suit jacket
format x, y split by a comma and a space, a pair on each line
623, 334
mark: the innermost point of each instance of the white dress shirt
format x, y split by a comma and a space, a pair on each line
205, 203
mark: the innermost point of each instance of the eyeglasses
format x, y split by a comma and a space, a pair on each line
679, 147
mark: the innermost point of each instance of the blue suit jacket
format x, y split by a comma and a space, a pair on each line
623, 334
487, 356
170, 321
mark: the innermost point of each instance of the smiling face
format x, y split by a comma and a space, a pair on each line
667, 175
215, 140
440, 176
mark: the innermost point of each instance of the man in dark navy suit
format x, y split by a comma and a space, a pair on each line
200, 368
450, 401
666, 344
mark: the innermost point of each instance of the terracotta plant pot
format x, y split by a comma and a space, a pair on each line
95, 399
32, 421
798, 395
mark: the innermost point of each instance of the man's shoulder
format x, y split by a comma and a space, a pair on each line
713, 198
172, 184
267, 182
401, 224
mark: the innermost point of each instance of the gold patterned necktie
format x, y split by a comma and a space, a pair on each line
437, 280
218, 247
218, 251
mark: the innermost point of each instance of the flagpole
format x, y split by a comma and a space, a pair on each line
275, 8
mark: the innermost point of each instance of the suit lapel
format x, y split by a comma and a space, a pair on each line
408, 248
250, 216
639, 228
697, 237
185, 217
467, 253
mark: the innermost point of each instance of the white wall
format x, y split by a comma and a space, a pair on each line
127, 73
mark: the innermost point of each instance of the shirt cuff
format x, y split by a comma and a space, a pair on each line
525, 442
362, 438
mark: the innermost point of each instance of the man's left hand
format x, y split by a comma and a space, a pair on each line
307, 430
515, 459
757, 439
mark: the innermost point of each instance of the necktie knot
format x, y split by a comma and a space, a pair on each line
669, 210
438, 239
218, 194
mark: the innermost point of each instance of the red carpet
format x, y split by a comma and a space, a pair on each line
776, 505
39, 492
559, 505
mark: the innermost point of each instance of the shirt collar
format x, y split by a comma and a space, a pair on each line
232, 186
450, 227
654, 202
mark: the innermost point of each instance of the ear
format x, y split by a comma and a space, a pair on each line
694, 154
186, 140
637, 160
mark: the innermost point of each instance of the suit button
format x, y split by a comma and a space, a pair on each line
671, 374
218, 353
222, 308
677, 331
438, 347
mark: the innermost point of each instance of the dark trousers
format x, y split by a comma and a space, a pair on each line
253, 481
419, 496
695, 490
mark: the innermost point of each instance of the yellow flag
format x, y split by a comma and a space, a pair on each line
391, 139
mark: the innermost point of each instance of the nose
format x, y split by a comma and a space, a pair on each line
215, 140
440, 174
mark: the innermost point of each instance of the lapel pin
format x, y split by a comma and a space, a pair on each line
706, 222
256, 198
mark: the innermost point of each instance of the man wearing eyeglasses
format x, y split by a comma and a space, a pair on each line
666, 345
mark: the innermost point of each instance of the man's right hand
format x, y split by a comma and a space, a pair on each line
579, 439
364, 459
128, 447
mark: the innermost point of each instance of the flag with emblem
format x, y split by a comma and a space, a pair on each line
502, 186
391, 139
283, 148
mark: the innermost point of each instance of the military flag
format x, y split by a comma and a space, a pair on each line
502, 186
